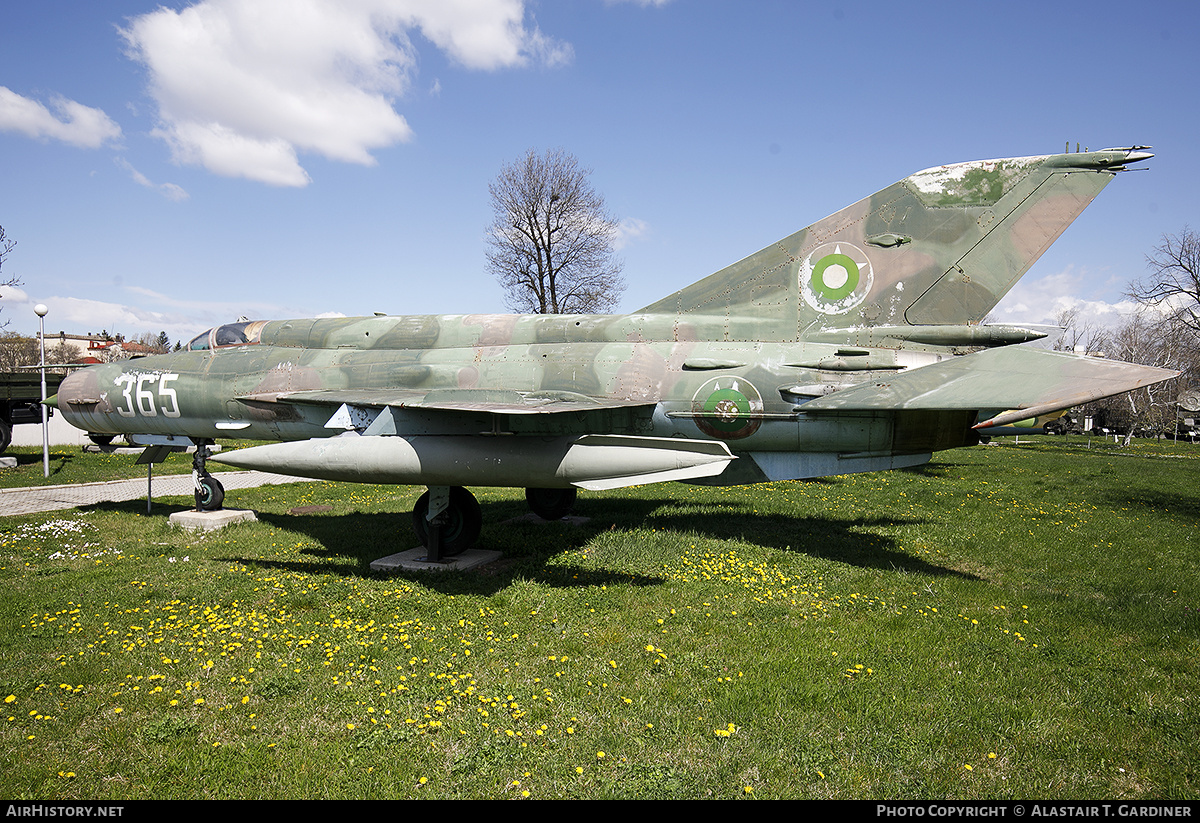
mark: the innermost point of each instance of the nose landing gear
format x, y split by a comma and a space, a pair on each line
209, 492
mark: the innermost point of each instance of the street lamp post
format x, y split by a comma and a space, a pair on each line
40, 310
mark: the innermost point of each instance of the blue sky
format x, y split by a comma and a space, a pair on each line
169, 168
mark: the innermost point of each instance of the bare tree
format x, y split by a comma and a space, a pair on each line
17, 350
1172, 283
1148, 339
6, 246
63, 352
1076, 332
152, 343
550, 243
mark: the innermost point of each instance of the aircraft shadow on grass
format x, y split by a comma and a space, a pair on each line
1177, 503
358, 538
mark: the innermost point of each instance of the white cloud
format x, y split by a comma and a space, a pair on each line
481, 34
1041, 301
70, 122
167, 190
133, 310
628, 230
244, 87
12, 296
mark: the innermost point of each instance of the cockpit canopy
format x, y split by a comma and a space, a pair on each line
242, 333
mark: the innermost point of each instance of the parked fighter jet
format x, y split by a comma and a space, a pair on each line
853, 345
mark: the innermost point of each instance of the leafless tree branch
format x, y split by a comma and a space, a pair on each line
6, 246
1173, 280
550, 243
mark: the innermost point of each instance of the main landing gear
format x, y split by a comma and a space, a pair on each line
447, 519
210, 494
551, 504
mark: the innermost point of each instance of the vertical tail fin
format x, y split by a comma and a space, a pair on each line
942, 246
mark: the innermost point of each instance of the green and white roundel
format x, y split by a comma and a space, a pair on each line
728, 408
835, 277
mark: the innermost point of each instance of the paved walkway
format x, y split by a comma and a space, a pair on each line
49, 498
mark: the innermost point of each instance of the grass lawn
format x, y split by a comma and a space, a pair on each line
1010, 621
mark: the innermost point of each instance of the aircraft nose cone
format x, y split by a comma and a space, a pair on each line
77, 386
80, 395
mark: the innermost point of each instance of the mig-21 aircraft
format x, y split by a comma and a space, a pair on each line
854, 345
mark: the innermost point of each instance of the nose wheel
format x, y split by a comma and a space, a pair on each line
209, 493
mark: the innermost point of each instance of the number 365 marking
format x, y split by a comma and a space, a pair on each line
139, 397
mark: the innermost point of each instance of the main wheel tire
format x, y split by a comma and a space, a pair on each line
464, 520
210, 494
551, 504
5, 436
101, 439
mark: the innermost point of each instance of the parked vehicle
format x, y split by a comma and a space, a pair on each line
21, 400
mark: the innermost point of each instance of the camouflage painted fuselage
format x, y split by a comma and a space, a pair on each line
661, 369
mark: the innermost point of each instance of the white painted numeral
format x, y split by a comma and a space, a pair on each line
128, 379
163, 391
147, 403
145, 399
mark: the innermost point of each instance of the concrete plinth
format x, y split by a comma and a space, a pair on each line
8, 462
196, 521
414, 560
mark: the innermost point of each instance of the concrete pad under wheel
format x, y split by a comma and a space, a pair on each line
414, 560
197, 521
8, 462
